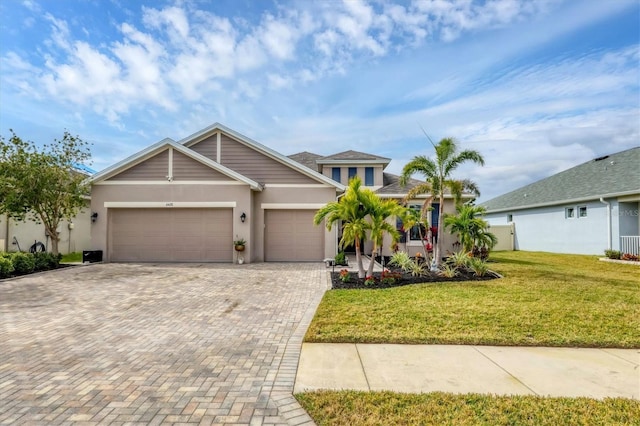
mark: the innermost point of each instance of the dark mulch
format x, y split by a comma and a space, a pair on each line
405, 279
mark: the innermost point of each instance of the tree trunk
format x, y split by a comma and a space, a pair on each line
53, 234
54, 244
371, 262
361, 272
438, 247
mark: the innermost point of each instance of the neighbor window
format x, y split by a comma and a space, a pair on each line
353, 172
509, 218
335, 174
368, 176
569, 212
582, 211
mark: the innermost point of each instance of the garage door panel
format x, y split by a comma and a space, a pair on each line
171, 235
290, 235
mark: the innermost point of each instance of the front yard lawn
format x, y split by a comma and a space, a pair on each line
544, 299
437, 408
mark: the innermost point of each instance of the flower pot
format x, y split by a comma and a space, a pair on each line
239, 247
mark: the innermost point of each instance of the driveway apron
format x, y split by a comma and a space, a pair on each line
127, 343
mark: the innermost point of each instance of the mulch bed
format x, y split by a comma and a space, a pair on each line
405, 279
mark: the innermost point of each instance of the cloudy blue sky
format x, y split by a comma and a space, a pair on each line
535, 86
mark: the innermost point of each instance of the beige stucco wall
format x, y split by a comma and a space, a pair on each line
170, 193
27, 232
294, 198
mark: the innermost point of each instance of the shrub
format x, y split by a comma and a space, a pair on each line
629, 256
448, 270
401, 259
479, 267
417, 268
23, 263
340, 258
6, 267
459, 259
345, 276
45, 261
369, 280
612, 254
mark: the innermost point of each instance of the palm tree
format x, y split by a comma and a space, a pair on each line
349, 210
438, 178
471, 228
378, 212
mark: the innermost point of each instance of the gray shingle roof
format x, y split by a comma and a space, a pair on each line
306, 159
353, 156
610, 175
391, 184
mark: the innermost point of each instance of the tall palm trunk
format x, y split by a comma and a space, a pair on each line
361, 271
440, 233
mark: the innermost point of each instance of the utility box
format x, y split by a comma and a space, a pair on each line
92, 256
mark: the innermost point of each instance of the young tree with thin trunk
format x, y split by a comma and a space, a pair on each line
43, 184
378, 212
438, 179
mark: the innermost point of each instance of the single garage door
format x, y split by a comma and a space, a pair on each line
291, 236
171, 235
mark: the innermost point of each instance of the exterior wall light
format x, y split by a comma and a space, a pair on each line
94, 216
243, 217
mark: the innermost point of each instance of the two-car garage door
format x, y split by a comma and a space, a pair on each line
171, 235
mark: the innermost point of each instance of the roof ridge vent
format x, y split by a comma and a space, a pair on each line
601, 158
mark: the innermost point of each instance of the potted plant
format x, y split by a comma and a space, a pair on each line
239, 244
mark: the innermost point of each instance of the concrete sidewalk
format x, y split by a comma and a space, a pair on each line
596, 373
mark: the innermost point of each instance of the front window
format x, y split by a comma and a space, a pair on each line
368, 176
353, 172
335, 174
416, 230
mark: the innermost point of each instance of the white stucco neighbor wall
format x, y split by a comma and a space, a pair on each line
547, 228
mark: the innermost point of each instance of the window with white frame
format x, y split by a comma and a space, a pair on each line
569, 212
582, 211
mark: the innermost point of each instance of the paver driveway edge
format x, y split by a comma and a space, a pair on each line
282, 393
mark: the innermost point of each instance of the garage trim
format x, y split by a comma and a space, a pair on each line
168, 204
292, 206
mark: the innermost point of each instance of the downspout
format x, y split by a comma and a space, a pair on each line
608, 204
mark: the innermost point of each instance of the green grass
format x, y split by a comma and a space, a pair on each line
72, 257
388, 408
543, 300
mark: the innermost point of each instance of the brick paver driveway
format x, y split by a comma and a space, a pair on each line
123, 343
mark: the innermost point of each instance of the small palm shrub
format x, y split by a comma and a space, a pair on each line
478, 266
402, 260
23, 263
448, 270
417, 268
459, 259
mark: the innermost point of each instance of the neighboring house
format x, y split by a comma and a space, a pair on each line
582, 210
75, 235
187, 201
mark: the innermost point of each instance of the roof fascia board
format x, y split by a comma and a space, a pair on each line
569, 201
131, 161
353, 161
198, 136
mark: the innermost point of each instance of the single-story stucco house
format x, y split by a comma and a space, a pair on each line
583, 210
187, 201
